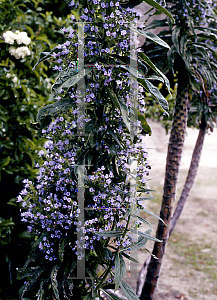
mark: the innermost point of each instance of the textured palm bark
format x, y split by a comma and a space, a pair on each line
191, 175
195, 160
176, 142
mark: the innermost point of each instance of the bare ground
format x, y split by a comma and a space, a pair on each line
189, 269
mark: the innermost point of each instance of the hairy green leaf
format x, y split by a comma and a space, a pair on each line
120, 269
146, 128
5, 223
41, 290
151, 213
152, 36
156, 93
111, 296
151, 65
175, 38
139, 244
145, 235
121, 106
43, 56
69, 77
54, 108
142, 219
54, 281
160, 8
129, 257
129, 293
110, 233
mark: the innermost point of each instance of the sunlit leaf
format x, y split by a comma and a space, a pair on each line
160, 8
152, 36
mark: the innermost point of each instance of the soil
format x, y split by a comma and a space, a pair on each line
189, 269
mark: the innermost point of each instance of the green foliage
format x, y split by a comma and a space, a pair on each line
192, 41
23, 92
129, 293
5, 230
108, 139
120, 269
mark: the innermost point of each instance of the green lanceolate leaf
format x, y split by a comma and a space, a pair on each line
68, 78
151, 65
139, 244
110, 130
151, 213
175, 37
154, 256
129, 293
146, 198
61, 249
143, 240
51, 109
127, 61
152, 36
142, 220
110, 233
160, 8
145, 235
121, 106
65, 78
111, 296
156, 93
43, 56
120, 269
41, 291
146, 128
154, 77
129, 257
134, 72
54, 282
5, 162
5, 223
23, 290
108, 253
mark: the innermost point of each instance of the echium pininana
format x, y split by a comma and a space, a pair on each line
105, 150
51, 206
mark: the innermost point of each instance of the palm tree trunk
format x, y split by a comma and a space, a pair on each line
183, 198
175, 147
191, 175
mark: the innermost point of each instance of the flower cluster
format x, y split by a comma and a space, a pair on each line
103, 40
19, 52
20, 38
51, 205
198, 10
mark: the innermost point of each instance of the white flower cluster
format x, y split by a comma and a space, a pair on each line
19, 52
19, 37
